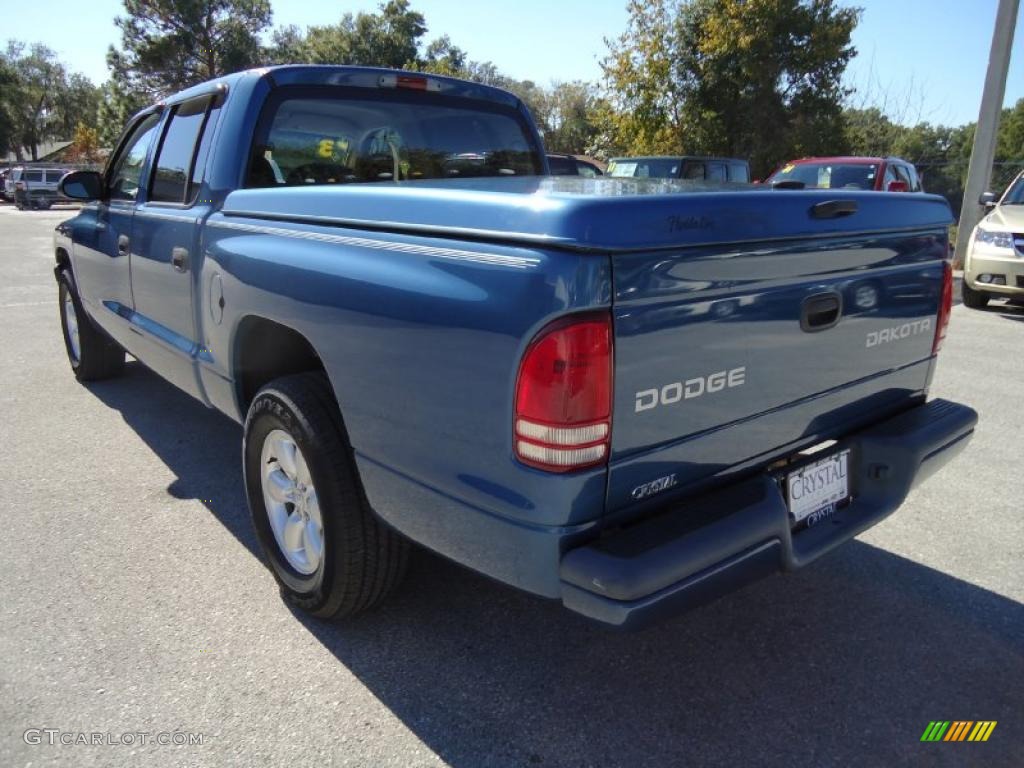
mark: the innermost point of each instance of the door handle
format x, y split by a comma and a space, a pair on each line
179, 259
834, 209
821, 311
122, 245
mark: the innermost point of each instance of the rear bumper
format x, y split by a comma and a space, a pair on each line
691, 554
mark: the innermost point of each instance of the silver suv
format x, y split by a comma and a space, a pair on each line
33, 187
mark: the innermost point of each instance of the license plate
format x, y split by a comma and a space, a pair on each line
818, 486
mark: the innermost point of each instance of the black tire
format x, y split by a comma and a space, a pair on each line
972, 298
363, 560
98, 357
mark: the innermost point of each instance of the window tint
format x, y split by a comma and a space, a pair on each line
127, 168
739, 172
906, 174
890, 176
562, 166
693, 170
52, 177
174, 160
828, 176
343, 137
202, 154
33, 176
716, 171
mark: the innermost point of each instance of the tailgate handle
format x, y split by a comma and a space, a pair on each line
821, 311
834, 209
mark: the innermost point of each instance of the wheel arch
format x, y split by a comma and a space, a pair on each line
263, 350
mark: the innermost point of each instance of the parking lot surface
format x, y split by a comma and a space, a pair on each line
133, 600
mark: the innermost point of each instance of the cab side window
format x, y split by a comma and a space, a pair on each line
693, 171
716, 171
173, 167
123, 179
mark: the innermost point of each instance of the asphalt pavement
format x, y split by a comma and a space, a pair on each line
133, 603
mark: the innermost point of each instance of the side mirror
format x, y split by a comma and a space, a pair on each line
896, 186
81, 185
988, 200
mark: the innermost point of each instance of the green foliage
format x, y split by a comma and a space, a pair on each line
941, 153
389, 38
118, 102
749, 78
39, 100
85, 147
168, 45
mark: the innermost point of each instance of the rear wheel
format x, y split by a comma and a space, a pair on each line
92, 355
972, 298
330, 554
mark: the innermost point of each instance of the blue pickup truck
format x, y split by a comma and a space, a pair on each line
629, 395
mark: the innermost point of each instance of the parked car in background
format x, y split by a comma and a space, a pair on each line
889, 174
680, 167
34, 187
994, 264
570, 165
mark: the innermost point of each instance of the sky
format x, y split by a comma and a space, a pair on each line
921, 59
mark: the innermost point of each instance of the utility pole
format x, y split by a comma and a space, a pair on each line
979, 172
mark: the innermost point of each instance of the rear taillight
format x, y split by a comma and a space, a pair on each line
945, 307
563, 403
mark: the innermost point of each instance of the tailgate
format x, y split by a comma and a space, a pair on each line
726, 355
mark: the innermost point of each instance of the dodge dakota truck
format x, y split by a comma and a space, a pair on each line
629, 395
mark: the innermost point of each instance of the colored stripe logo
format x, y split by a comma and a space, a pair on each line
958, 730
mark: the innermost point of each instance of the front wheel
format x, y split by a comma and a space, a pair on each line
92, 355
974, 299
329, 553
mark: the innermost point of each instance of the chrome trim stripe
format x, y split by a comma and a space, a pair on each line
183, 219
517, 262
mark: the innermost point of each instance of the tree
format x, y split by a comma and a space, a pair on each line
118, 102
389, 38
570, 114
760, 79
85, 146
8, 127
168, 45
76, 102
38, 79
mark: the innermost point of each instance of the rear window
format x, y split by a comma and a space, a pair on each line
562, 166
644, 168
739, 172
829, 175
343, 135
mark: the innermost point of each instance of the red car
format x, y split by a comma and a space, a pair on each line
889, 174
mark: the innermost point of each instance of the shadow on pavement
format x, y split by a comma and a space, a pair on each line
843, 663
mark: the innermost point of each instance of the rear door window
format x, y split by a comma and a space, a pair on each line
175, 158
694, 170
52, 177
739, 172
716, 171
34, 176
